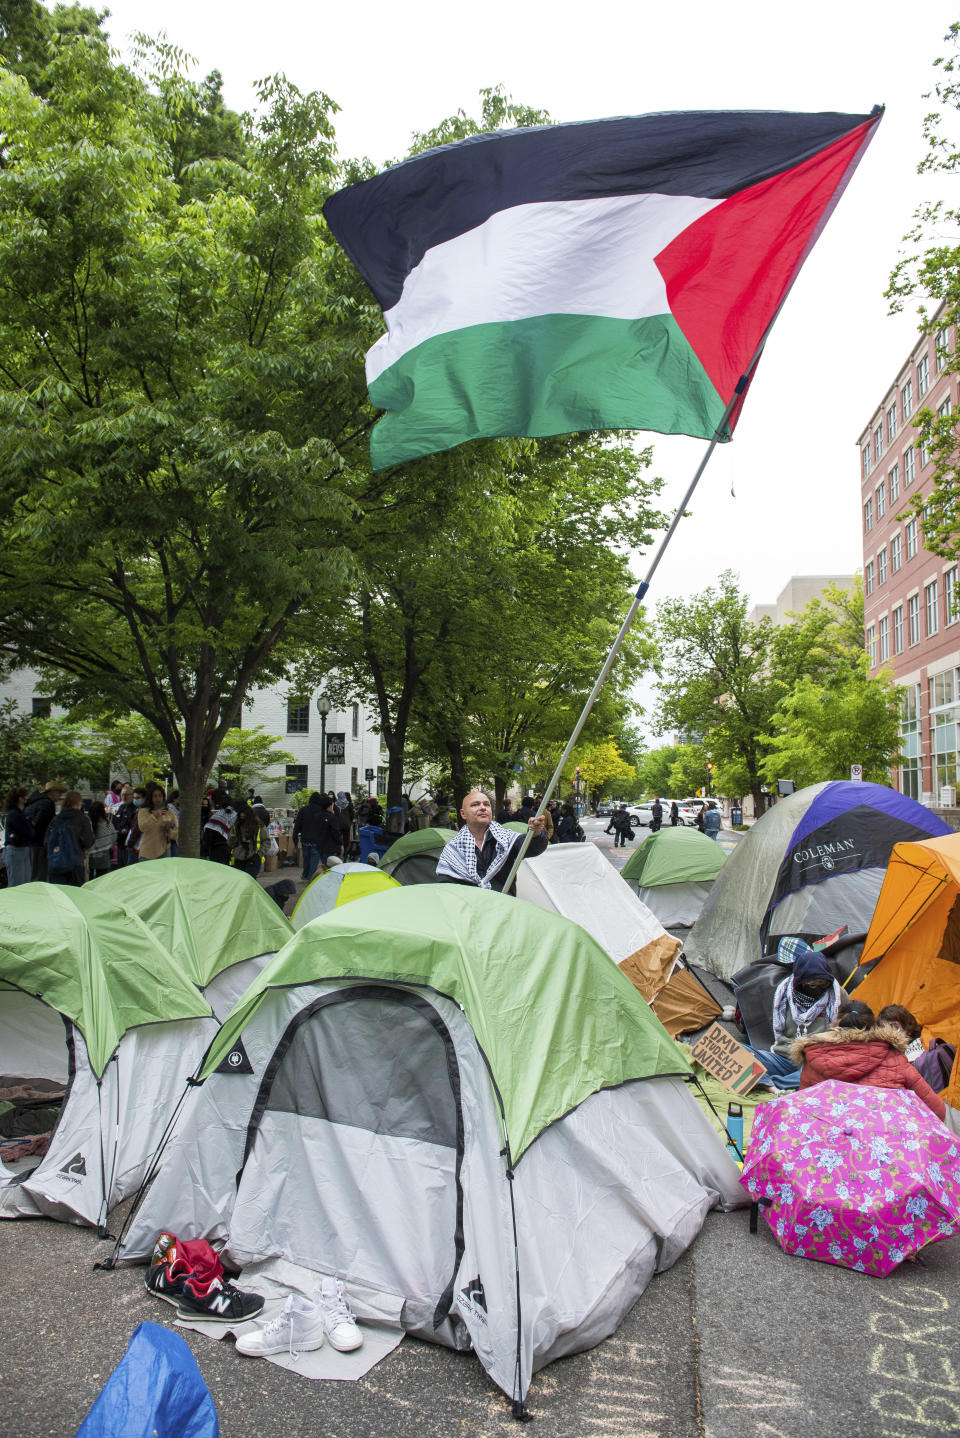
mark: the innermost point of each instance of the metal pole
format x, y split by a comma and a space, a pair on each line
323, 753
625, 626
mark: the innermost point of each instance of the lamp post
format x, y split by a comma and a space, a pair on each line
323, 709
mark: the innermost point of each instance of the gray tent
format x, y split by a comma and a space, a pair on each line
456, 1100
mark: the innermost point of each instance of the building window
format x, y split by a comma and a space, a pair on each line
950, 595
924, 447
940, 349
896, 553
882, 566
355, 720
908, 466
881, 498
945, 408
891, 421
866, 458
296, 775
878, 441
930, 604
872, 644
883, 631
354, 778
910, 742
923, 376
944, 715
911, 533
382, 774
913, 619
898, 629
894, 478
868, 577
298, 717
906, 401
41, 708
868, 515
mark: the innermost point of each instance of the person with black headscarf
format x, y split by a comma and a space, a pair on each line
806, 1002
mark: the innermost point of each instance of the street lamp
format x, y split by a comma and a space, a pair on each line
323, 709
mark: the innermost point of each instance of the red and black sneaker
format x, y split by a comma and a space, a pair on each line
166, 1280
216, 1302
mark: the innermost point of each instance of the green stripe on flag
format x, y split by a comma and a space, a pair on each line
550, 374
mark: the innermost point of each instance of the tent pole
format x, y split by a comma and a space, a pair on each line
625, 626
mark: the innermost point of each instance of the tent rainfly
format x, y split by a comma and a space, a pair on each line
413, 858
809, 865
915, 935
337, 886
109, 1007
672, 872
456, 1099
575, 880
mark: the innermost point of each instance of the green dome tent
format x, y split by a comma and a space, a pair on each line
413, 858
672, 872
457, 1100
340, 885
111, 1006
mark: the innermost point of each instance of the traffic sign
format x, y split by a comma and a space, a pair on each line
856, 773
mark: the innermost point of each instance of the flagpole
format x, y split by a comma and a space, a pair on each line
632, 614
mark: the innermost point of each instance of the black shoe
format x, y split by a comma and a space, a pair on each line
166, 1280
218, 1302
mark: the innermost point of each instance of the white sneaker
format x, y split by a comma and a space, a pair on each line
339, 1323
297, 1328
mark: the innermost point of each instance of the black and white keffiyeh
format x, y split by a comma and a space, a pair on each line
458, 859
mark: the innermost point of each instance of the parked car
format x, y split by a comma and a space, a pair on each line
605, 808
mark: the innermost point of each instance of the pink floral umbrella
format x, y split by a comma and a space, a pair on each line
857, 1176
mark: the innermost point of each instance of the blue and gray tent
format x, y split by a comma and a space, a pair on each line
811, 864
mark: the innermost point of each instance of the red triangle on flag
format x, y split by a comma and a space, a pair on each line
727, 274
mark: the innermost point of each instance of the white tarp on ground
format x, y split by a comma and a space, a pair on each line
575, 880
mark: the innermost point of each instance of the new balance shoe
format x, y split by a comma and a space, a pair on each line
297, 1328
166, 1280
339, 1323
216, 1302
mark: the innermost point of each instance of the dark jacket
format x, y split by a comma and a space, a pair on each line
863, 1056
80, 827
536, 846
566, 830
17, 829
38, 811
313, 825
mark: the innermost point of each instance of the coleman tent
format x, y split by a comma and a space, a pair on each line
575, 880
915, 935
337, 886
100, 1020
811, 864
672, 872
457, 1100
413, 859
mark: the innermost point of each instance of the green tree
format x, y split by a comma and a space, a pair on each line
603, 769
819, 731
689, 773
181, 396
250, 756
725, 677
654, 771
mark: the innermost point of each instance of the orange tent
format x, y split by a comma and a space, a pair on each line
915, 933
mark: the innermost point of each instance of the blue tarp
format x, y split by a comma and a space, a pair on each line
155, 1391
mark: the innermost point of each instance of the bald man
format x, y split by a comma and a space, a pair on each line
482, 853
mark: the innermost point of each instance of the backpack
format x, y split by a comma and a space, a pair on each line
578, 834
61, 849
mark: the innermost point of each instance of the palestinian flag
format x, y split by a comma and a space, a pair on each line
621, 274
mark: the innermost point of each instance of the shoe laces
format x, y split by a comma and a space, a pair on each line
285, 1316
334, 1306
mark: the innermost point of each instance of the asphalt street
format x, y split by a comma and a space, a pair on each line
735, 1341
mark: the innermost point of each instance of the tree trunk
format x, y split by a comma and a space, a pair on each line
192, 783
458, 773
499, 790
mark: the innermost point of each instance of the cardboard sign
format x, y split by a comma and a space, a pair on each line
726, 1060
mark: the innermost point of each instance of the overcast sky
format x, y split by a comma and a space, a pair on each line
793, 464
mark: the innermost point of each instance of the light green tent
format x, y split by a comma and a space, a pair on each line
109, 996
413, 858
672, 872
341, 885
456, 1100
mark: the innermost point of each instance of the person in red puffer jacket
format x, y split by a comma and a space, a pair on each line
856, 1049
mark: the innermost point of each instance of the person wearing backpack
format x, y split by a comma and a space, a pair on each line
39, 809
69, 835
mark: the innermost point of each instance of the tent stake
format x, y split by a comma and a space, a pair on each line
625, 626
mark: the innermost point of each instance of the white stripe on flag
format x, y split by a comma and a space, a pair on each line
575, 257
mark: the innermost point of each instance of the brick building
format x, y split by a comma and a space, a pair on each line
911, 618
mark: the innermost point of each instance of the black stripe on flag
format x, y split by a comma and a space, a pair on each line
387, 224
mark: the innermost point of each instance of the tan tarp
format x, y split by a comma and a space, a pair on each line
684, 1005
647, 968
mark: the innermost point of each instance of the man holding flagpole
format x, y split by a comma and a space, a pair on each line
483, 851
